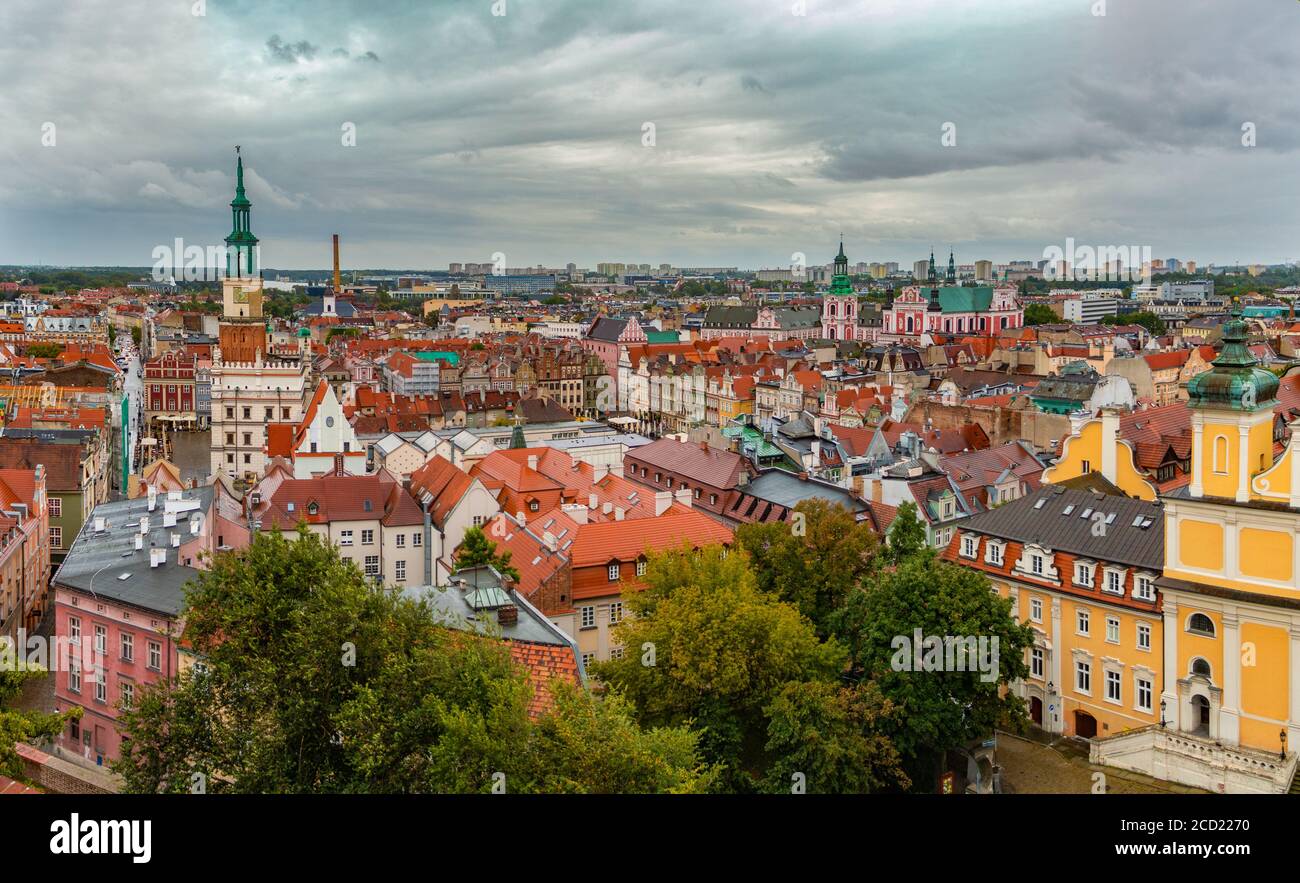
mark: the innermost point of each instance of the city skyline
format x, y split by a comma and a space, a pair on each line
532, 141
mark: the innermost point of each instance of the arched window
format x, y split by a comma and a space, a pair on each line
1201, 667
1200, 624
1221, 455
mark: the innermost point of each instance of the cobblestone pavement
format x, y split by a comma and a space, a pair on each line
1033, 768
192, 454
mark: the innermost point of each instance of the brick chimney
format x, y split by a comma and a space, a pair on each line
338, 464
508, 615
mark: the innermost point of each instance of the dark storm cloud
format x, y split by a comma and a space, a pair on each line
289, 53
525, 133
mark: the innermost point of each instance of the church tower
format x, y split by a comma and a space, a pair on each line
840, 304
1232, 419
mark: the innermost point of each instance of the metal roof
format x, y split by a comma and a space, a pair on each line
98, 560
1136, 536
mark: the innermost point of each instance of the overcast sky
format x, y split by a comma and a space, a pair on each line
773, 132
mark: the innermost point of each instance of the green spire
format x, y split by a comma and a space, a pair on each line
932, 275
1236, 381
952, 269
840, 284
241, 244
517, 435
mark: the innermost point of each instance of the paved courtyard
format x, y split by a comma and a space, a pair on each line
191, 452
1030, 767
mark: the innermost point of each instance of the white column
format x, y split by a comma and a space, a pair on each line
1056, 723
1243, 464
1229, 722
1169, 695
1293, 679
1198, 454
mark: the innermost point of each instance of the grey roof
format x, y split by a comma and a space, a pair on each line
97, 560
607, 329
454, 606
786, 489
1125, 540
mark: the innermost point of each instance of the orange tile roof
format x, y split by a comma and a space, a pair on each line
598, 544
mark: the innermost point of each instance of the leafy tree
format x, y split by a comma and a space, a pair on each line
585, 734
135, 335
835, 735
720, 650
44, 350
476, 550
316, 681
906, 534
1040, 314
942, 709
811, 561
18, 725
1154, 325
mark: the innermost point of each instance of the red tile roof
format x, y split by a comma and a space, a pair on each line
543, 664
598, 544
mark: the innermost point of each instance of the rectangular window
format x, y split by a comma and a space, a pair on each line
640, 568
127, 690
1144, 636
367, 537
1083, 575
345, 538
155, 656
372, 565
74, 629
56, 537
1083, 677
128, 646
1115, 582
588, 616
1143, 694
248, 413
588, 659
1112, 630
616, 612
969, 546
1036, 609
1144, 589
1036, 662
56, 507
995, 554
399, 571
230, 413
74, 675
417, 539
1083, 622
101, 687
1036, 565
1113, 690
613, 572
101, 639
400, 541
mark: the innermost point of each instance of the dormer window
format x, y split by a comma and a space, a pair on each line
1036, 565
969, 545
313, 508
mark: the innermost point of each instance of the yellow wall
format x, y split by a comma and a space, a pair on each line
1087, 446
1191, 646
1200, 544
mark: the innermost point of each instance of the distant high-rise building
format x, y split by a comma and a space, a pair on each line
983, 271
919, 269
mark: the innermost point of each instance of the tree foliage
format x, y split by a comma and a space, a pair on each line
17, 725
813, 560
314, 680
476, 550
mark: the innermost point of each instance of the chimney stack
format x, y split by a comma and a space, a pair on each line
508, 615
338, 282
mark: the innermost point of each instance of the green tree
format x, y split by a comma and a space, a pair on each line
956, 699
314, 680
906, 534
476, 550
44, 350
585, 734
1154, 325
1040, 314
708, 649
836, 737
135, 335
813, 560
17, 725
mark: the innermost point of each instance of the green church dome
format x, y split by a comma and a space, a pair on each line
1236, 380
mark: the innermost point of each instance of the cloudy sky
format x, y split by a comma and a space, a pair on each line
526, 133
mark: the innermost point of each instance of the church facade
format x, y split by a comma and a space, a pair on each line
951, 309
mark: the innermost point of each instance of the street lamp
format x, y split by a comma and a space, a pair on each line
1162, 714
1282, 736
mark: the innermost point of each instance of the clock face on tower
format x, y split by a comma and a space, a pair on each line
241, 296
